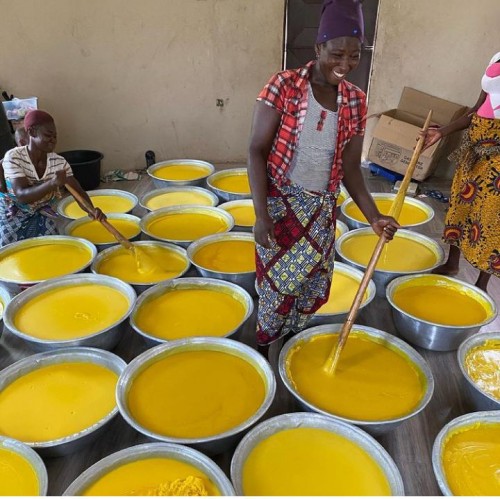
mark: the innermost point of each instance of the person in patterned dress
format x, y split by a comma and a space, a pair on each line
307, 136
472, 225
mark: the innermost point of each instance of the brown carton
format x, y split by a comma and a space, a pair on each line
395, 134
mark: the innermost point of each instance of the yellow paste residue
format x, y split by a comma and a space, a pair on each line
341, 198
400, 255
311, 462
182, 172
2, 308
237, 183
410, 214
96, 233
178, 198
59, 258
442, 302
56, 401
187, 226
195, 394
160, 264
17, 476
342, 292
471, 460
155, 476
386, 384
182, 313
70, 312
244, 214
483, 366
227, 256
107, 204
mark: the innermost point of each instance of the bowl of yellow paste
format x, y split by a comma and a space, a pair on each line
96, 233
304, 454
345, 284
391, 381
34, 260
343, 195
438, 312
414, 213
202, 392
5, 298
189, 307
151, 263
108, 200
231, 184
479, 361
340, 229
243, 212
466, 454
22, 471
184, 224
180, 172
230, 257
154, 469
58, 402
178, 196
408, 253
72, 311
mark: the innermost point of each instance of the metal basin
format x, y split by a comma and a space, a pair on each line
140, 287
159, 182
223, 194
63, 204
354, 223
191, 283
381, 278
454, 425
151, 451
112, 241
16, 285
341, 229
105, 339
244, 279
343, 195
33, 459
284, 422
379, 427
214, 444
229, 205
212, 199
178, 210
5, 298
329, 318
430, 335
481, 400
71, 443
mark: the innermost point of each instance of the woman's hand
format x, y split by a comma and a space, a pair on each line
97, 215
59, 180
264, 231
434, 133
383, 224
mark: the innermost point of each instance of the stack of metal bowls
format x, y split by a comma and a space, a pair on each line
225, 195
210, 199
214, 444
71, 443
372, 427
430, 335
160, 182
481, 400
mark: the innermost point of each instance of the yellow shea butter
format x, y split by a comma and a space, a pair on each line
176, 198
107, 204
96, 233
237, 183
182, 172
244, 214
482, 364
17, 476
342, 292
227, 256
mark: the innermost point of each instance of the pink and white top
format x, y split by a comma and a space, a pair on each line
490, 83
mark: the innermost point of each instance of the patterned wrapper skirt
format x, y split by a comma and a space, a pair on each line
294, 275
473, 219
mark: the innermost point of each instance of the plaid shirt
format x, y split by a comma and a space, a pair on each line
287, 92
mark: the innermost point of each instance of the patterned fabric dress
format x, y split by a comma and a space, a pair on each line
473, 219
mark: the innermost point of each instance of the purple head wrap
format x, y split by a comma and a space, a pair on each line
341, 18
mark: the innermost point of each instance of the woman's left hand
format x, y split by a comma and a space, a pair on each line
98, 215
383, 224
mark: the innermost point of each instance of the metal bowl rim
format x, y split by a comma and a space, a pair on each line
401, 345
218, 344
239, 171
236, 202
185, 161
110, 216
165, 190
344, 228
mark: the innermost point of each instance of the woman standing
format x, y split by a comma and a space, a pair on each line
33, 175
307, 136
472, 224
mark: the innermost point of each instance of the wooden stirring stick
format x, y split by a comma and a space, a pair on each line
333, 359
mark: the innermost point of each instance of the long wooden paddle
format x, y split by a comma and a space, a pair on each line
333, 359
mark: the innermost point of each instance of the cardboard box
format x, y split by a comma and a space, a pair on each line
395, 134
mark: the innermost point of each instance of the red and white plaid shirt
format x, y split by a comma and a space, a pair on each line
286, 91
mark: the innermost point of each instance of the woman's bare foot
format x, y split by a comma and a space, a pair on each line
452, 264
482, 280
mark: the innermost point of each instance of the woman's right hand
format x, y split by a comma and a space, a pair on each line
434, 133
264, 231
